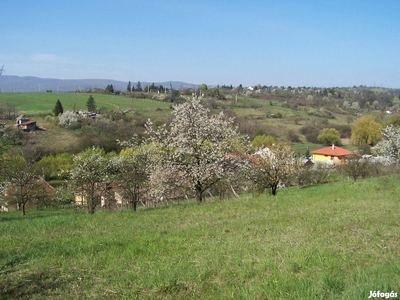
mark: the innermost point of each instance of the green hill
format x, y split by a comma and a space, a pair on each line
33, 103
335, 241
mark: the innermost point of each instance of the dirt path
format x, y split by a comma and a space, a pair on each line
112, 104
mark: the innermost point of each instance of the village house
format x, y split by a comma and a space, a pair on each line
25, 123
332, 154
109, 194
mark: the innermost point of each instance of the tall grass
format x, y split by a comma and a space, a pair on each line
334, 241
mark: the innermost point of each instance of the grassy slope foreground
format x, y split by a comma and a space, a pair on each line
335, 241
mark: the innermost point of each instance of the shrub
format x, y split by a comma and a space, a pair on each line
344, 130
263, 141
68, 118
310, 132
293, 137
329, 136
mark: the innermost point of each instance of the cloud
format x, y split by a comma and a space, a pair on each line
47, 58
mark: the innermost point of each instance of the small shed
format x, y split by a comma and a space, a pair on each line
28, 126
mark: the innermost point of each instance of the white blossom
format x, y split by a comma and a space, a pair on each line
390, 145
193, 149
274, 166
68, 118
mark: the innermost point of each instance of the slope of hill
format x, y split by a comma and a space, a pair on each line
333, 241
37, 84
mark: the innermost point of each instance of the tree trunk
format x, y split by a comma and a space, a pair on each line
273, 189
199, 192
91, 205
23, 208
199, 196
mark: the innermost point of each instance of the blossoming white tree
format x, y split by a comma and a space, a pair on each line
390, 145
90, 169
195, 148
274, 165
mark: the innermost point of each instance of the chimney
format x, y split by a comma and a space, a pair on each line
333, 146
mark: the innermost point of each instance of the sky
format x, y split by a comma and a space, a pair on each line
275, 43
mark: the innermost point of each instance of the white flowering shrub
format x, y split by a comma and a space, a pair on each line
68, 118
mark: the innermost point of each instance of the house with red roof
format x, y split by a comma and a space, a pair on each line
332, 154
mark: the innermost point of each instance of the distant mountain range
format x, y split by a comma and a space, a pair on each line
36, 84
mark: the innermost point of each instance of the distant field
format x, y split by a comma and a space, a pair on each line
44, 102
252, 113
333, 241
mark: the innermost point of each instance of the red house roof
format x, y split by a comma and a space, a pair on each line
333, 151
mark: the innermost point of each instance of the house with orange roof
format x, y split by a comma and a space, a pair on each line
332, 154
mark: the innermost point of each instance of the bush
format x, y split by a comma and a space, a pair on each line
356, 168
68, 118
344, 130
329, 136
311, 133
316, 174
293, 137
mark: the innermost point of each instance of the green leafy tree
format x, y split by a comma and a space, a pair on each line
329, 136
394, 120
259, 131
58, 109
139, 86
133, 171
175, 95
365, 131
129, 87
261, 141
91, 104
110, 89
203, 88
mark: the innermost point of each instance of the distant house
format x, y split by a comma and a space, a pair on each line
109, 194
25, 123
390, 111
332, 154
28, 126
21, 119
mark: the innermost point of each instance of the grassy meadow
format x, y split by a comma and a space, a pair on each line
334, 241
43, 103
251, 113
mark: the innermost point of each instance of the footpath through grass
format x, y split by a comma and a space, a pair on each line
335, 241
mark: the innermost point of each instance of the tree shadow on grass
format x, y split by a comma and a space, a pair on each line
40, 284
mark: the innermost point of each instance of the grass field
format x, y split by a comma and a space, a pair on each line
33, 103
335, 241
